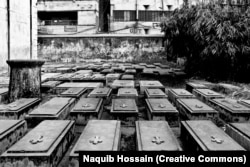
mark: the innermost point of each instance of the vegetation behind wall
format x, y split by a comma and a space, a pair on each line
214, 40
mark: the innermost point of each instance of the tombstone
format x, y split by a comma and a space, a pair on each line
130, 71
88, 85
45, 145
95, 68
82, 67
149, 72
123, 84
90, 72
57, 108
25, 79
206, 94
49, 76
143, 64
110, 78
193, 109
18, 108
164, 72
65, 77
107, 71
117, 69
125, 110
128, 93
230, 110
49, 69
157, 64
87, 109
128, 67
245, 103
10, 132
150, 66
106, 66
98, 135
164, 66
54, 77
155, 136
76, 93
174, 94
139, 69
178, 74
162, 110
190, 86
127, 77
78, 77
64, 70
204, 135
155, 93
240, 132
104, 93
98, 78
127, 64
150, 85
87, 78
49, 85
3, 95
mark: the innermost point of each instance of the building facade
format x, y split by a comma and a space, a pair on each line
73, 31
77, 30
68, 17
140, 16
18, 25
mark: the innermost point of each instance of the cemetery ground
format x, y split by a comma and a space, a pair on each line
170, 81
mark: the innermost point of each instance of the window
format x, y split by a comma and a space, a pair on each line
239, 2
123, 15
152, 16
148, 16
58, 18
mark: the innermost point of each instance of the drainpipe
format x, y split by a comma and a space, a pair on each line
8, 27
137, 13
31, 42
162, 4
136, 8
110, 18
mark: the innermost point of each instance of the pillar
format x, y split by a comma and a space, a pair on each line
25, 79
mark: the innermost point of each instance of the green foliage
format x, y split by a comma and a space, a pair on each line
215, 41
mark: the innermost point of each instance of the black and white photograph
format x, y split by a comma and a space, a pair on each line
124, 82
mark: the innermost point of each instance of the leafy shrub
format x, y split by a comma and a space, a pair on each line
214, 40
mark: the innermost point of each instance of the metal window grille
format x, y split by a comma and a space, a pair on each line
151, 16
123, 15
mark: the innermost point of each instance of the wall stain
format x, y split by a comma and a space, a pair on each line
78, 49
